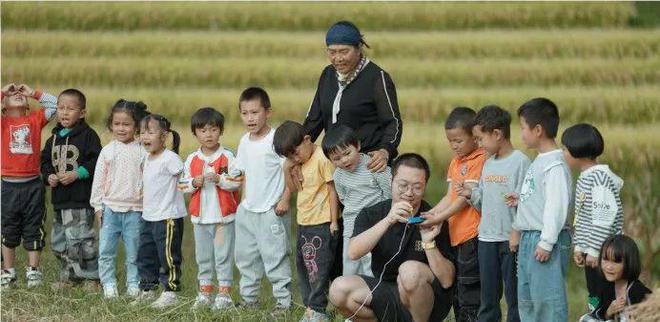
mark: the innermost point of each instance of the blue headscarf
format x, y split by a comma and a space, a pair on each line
343, 34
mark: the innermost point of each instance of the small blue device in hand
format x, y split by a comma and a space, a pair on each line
415, 220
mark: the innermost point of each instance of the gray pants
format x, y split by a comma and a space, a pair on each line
262, 245
361, 266
73, 242
214, 251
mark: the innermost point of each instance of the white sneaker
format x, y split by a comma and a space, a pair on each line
133, 291
144, 297
222, 301
110, 291
202, 300
33, 277
166, 299
7, 278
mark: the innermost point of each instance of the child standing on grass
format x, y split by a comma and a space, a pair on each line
67, 164
318, 210
543, 204
23, 203
262, 216
212, 207
463, 219
502, 175
598, 208
117, 195
159, 253
356, 186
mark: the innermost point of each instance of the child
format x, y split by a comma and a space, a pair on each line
318, 209
620, 264
541, 218
117, 195
598, 209
67, 163
261, 218
502, 175
212, 207
159, 253
357, 187
463, 219
23, 208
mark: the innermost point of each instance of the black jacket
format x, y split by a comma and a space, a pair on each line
368, 105
83, 149
636, 294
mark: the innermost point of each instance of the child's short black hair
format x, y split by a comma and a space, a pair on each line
541, 111
207, 116
251, 93
622, 249
288, 136
82, 101
493, 117
583, 141
338, 137
412, 160
461, 117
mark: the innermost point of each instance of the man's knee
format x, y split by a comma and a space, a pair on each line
339, 291
412, 275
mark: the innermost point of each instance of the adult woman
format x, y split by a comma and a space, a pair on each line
355, 92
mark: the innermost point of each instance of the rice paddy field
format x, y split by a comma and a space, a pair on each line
600, 62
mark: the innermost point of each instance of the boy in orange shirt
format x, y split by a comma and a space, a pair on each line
464, 169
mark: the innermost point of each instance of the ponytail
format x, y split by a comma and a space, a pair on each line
176, 141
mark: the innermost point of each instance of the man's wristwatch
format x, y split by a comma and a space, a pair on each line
428, 245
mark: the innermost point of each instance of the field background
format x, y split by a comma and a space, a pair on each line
600, 62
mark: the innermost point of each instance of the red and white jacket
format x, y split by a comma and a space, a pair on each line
213, 203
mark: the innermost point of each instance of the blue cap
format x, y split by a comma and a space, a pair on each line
342, 34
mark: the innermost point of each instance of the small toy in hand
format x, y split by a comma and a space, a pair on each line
415, 220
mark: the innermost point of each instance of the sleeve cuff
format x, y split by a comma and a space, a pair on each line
578, 249
593, 252
82, 173
545, 245
37, 94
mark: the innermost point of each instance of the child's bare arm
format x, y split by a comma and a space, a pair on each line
438, 217
285, 202
334, 207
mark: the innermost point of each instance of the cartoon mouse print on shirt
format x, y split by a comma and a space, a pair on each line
309, 256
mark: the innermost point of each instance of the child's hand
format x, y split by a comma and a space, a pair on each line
198, 181
9, 89
615, 307
334, 228
578, 257
511, 199
53, 180
282, 207
68, 177
514, 240
212, 177
464, 191
591, 261
26, 90
430, 219
99, 218
541, 254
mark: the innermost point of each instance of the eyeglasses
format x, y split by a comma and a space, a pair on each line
417, 189
68, 109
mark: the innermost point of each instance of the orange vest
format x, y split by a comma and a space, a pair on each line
228, 200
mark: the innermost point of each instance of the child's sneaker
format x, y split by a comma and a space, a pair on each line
166, 299
281, 311
222, 301
33, 277
317, 317
133, 291
144, 297
110, 291
203, 300
8, 278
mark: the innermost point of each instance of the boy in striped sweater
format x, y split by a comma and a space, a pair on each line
598, 209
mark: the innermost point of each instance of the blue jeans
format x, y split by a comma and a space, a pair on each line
541, 286
497, 264
127, 226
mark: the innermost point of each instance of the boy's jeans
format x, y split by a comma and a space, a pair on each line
116, 224
316, 253
497, 264
73, 242
541, 286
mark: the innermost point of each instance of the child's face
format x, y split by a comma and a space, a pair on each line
303, 152
460, 141
612, 270
570, 160
14, 105
488, 141
254, 115
152, 137
208, 136
530, 136
123, 127
346, 158
69, 111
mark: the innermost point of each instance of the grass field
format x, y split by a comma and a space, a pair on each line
599, 61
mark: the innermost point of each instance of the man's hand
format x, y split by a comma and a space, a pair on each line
334, 228
399, 213
212, 177
198, 181
53, 180
378, 161
591, 261
99, 218
282, 207
541, 254
429, 233
578, 258
514, 240
26, 90
511, 199
68, 177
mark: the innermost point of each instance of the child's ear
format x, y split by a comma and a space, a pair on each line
83, 112
538, 130
307, 138
359, 146
498, 134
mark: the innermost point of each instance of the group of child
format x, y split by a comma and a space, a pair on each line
507, 216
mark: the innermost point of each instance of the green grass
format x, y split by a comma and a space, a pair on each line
536, 43
312, 16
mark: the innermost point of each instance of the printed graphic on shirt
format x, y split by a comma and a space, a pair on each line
496, 179
464, 170
64, 156
308, 250
529, 187
603, 205
20, 140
